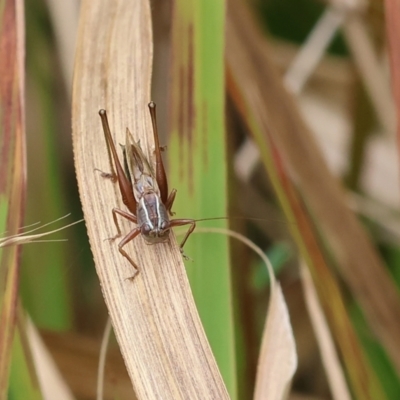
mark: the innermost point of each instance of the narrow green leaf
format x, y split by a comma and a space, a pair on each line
48, 297
198, 169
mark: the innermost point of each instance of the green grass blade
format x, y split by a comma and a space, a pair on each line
197, 159
47, 296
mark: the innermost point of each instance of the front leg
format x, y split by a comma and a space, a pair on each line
181, 222
130, 236
124, 214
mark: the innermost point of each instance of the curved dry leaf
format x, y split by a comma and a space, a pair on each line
277, 361
154, 317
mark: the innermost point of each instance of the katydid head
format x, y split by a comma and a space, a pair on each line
155, 233
152, 217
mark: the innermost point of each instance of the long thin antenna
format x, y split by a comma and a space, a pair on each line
246, 219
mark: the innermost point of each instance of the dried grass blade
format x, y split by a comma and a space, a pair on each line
12, 167
330, 358
277, 361
392, 14
154, 317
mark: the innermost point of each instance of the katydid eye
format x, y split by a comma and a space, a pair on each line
146, 229
164, 225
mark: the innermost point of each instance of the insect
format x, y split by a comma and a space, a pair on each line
144, 190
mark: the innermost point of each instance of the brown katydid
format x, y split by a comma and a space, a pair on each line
144, 190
